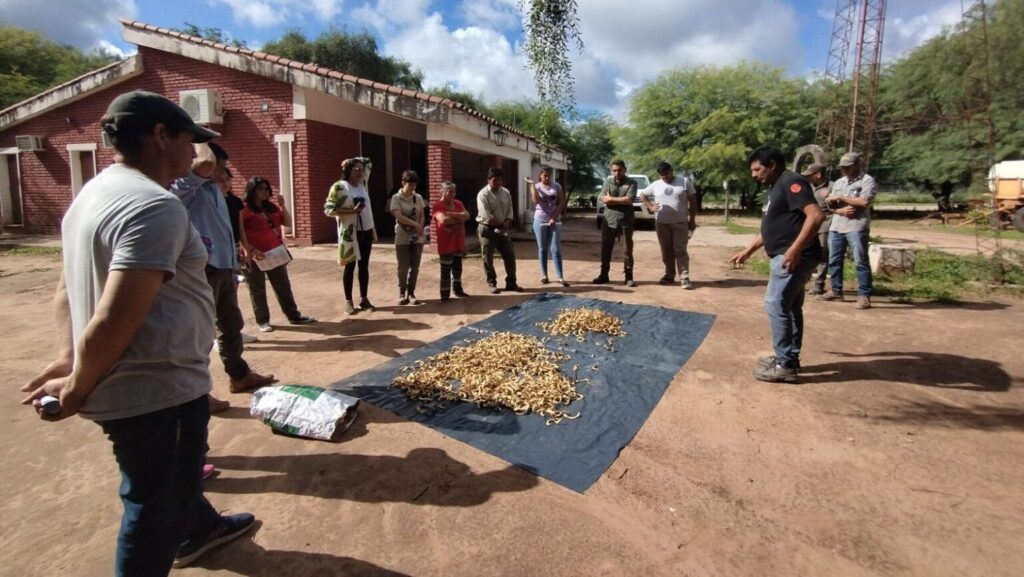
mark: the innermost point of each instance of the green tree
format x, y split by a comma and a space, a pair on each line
30, 64
706, 120
355, 54
213, 34
471, 100
550, 27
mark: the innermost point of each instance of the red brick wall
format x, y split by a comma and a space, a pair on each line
333, 144
439, 169
248, 136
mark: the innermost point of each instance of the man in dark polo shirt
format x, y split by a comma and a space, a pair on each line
789, 234
618, 195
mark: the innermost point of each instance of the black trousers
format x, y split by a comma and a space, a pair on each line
282, 289
364, 238
229, 320
503, 244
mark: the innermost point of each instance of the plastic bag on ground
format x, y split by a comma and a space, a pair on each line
304, 411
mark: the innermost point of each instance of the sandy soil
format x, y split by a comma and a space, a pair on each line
900, 454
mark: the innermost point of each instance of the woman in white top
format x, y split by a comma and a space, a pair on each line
349, 202
408, 209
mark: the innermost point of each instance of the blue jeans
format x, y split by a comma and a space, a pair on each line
549, 241
161, 457
784, 303
858, 241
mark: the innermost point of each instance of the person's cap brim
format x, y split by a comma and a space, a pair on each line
201, 134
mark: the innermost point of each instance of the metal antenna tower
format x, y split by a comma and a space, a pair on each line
864, 109
977, 115
831, 124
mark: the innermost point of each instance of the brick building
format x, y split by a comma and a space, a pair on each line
286, 121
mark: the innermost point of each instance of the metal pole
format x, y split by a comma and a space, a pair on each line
725, 185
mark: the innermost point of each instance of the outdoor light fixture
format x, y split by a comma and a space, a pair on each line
548, 154
499, 137
264, 107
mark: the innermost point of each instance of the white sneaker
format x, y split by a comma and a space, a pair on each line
266, 327
249, 338
685, 283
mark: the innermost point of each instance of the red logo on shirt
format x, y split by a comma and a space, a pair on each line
794, 188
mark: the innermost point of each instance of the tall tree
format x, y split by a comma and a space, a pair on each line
30, 64
355, 54
550, 27
706, 120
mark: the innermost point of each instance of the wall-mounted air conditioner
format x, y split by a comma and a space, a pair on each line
202, 105
27, 143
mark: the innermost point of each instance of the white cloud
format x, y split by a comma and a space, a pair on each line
270, 13
916, 22
391, 16
476, 60
84, 24
497, 14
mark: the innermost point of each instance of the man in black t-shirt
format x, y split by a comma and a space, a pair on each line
789, 235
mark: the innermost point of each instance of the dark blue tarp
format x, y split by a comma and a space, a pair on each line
628, 383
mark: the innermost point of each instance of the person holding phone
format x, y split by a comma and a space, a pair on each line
349, 202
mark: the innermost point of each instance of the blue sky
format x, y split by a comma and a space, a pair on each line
474, 44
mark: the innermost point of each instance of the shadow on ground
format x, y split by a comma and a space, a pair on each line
941, 370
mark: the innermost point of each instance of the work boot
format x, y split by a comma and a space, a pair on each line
863, 303
250, 382
817, 289
667, 279
600, 279
831, 296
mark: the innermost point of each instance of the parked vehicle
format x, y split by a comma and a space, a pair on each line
640, 212
1006, 182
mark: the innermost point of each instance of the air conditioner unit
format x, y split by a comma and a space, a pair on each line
27, 143
202, 105
105, 140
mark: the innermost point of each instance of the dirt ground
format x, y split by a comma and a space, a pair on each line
900, 453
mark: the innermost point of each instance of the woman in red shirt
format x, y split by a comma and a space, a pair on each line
450, 218
261, 219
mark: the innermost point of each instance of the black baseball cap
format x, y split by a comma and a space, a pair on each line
139, 111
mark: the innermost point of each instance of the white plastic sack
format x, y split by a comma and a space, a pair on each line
304, 411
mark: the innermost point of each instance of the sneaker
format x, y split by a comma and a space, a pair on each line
461, 293
209, 471
403, 301
775, 373
246, 338
768, 361
831, 296
350, 309
514, 288
544, 280
863, 303
816, 290
600, 279
366, 305
629, 282
413, 300
230, 527
685, 283
495, 290
666, 280
266, 327
563, 282
302, 320
250, 382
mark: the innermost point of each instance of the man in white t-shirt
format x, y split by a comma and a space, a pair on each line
673, 200
134, 318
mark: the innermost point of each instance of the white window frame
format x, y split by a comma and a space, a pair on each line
5, 183
286, 172
75, 159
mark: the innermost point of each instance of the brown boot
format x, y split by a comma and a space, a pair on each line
251, 382
863, 303
218, 405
